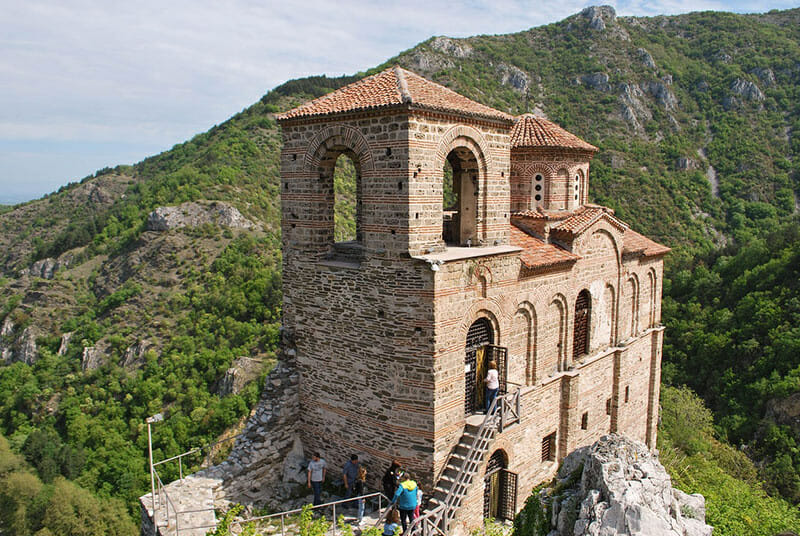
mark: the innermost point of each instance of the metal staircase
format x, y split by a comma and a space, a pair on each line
463, 465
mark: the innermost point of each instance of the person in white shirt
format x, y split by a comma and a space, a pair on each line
492, 382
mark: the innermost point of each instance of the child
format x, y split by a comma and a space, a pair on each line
392, 523
358, 490
419, 502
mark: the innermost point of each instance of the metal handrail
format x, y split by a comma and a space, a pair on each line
436, 520
377, 494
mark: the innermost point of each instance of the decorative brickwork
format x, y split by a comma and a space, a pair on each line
381, 325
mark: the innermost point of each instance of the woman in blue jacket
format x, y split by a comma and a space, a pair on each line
406, 499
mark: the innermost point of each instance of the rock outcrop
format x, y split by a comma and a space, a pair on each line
193, 214
617, 487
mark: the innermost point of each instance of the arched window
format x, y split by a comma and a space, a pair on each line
340, 173
460, 198
580, 339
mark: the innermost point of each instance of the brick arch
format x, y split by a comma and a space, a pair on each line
633, 324
527, 309
652, 279
501, 444
463, 136
333, 135
488, 309
562, 346
615, 244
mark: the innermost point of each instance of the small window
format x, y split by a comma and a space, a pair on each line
585, 421
608, 406
627, 393
538, 187
549, 448
576, 187
539, 177
538, 197
576, 198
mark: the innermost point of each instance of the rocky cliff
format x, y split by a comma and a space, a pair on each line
617, 486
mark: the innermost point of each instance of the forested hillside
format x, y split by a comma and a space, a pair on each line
107, 316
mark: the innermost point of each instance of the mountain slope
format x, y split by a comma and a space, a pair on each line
696, 117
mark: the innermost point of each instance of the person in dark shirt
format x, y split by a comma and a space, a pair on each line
350, 475
391, 478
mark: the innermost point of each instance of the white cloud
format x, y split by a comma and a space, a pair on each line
152, 73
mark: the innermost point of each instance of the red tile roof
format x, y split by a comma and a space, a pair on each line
584, 217
537, 254
393, 87
635, 244
533, 131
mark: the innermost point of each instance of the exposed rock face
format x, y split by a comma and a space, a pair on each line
91, 359
243, 370
7, 328
47, 268
451, 47
646, 58
747, 89
742, 90
684, 163
599, 16
514, 77
765, 76
195, 214
23, 348
598, 81
64, 346
134, 354
623, 490
661, 93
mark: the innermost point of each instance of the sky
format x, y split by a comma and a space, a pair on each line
89, 84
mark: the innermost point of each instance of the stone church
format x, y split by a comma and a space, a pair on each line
393, 330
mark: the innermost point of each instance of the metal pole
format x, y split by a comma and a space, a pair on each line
334, 519
180, 467
152, 476
283, 528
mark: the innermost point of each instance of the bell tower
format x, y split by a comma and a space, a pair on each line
362, 312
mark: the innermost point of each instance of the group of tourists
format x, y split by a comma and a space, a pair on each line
398, 485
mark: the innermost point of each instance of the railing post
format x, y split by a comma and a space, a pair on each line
180, 468
283, 526
334, 519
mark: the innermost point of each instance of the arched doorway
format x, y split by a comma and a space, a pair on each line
500, 488
460, 198
479, 338
580, 339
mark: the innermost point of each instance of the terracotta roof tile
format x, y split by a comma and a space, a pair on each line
393, 87
637, 244
533, 131
584, 217
537, 254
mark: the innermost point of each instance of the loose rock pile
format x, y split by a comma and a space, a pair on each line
622, 490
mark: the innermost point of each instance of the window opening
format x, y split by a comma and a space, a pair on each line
548, 448
585, 421
460, 198
580, 339
345, 200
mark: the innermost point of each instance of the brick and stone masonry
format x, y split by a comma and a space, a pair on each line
380, 323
